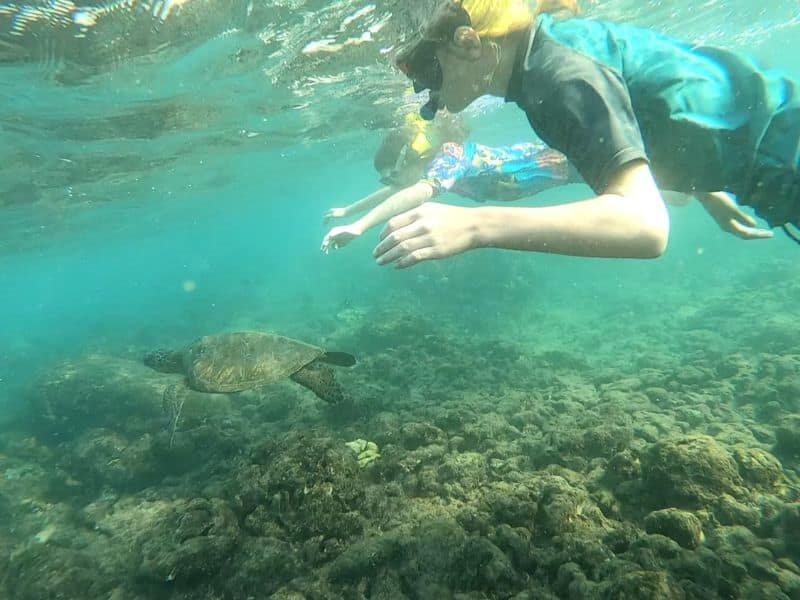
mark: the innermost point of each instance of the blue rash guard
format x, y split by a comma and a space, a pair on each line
484, 173
705, 119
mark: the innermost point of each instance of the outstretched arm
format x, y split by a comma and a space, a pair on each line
366, 203
397, 203
629, 220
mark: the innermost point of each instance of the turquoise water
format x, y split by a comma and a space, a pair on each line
170, 182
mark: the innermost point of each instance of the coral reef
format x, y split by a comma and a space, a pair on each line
497, 470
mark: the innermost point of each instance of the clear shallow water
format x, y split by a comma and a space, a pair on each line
167, 178
203, 153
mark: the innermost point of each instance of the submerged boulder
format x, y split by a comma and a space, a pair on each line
678, 525
97, 391
690, 472
306, 483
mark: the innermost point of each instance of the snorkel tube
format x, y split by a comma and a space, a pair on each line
428, 110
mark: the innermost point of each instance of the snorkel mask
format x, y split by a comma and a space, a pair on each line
418, 60
403, 172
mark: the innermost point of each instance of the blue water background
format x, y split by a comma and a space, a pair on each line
232, 241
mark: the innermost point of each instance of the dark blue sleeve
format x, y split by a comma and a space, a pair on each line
581, 108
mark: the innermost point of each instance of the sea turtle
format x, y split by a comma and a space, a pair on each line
232, 362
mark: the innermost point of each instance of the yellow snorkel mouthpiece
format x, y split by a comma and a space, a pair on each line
420, 142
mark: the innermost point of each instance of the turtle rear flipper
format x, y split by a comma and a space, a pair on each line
319, 379
339, 359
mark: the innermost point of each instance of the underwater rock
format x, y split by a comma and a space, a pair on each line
101, 458
605, 441
571, 582
761, 565
787, 438
310, 482
97, 391
442, 557
48, 571
415, 434
786, 526
424, 456
729, 511
733, 365
574, 447
435, 557
515, 542
759, 468
190, 540
689, 472
623, 466
679, 525
261, 566
693, 375
465, 471
644, 585
745, 563
567, 509
515, 505
364, 557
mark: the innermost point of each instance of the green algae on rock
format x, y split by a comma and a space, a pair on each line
679, 525
97, 391
690, 471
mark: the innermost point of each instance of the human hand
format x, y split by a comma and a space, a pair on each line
334, 213
339, 237
724, 210
427, 232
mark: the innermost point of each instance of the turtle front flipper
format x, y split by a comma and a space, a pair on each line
172, 402
321, 380
339, 359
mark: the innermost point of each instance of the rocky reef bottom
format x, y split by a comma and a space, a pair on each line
462, 467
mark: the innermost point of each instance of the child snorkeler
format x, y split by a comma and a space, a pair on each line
423, 159
633, 110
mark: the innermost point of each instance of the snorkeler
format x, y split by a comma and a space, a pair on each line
423, 159
633, 110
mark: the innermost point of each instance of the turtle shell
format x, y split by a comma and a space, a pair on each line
232, 362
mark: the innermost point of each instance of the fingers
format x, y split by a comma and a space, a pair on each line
396, 223
328, 243
331, 214
417, 256
748, 233
404, 249
397, 231
741, 216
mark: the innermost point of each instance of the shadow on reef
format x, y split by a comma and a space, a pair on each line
497, 471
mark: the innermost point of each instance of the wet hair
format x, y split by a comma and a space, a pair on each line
498, 18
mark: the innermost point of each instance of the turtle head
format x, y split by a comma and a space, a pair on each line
165, 361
